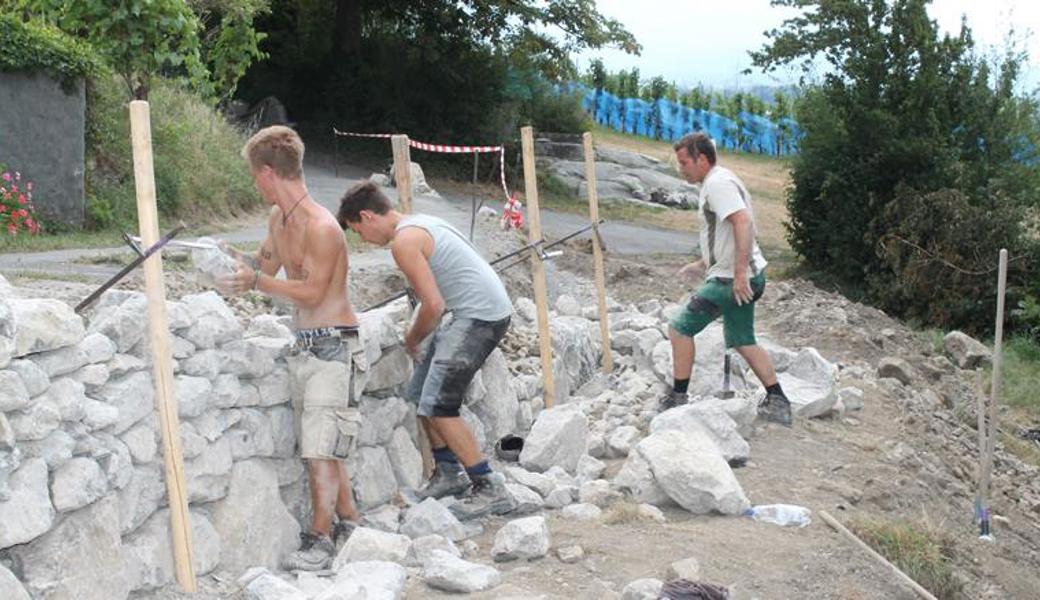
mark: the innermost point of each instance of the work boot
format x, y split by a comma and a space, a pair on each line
315, 553
341, 531
671, 400
488, 495
776, 409
449, 479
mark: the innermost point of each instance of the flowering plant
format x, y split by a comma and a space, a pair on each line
16, 208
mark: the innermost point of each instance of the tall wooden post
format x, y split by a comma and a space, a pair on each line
597, 251
162, 360
534, 234
989, 446
402, 172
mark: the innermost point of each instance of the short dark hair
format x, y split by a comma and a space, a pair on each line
363, 196
697, 143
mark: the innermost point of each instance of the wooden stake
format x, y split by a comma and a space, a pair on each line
834, 524
597, 252
534, 234
402, 172
162, 361
989, 447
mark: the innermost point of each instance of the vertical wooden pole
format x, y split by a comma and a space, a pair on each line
534, 234
402, 172
597, 251
995, 389
162, 361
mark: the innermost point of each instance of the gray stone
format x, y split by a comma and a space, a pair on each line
77, 483
525, 499
36, 422
372, 544
379, 418
54, 449
576, 353
253, 357
392, 370
213, 423
267, 586
499, 407
33, 377
122, 364
808, 399
598, 492
68, 396
207, 474
13, 394
254, 526
570, 554
687, 568
422, 549
212, 320
27, 513
445, 571
367, 580
581, 512
642, 589
141, 496
206, 363
372, 476
114, 458
561, 496
896, 368
44, 324
385, 518
405, 458
141, 442
193, 395
621, 440
8, 330
148, 553
268, 326
589, 468
567, 306
709, 419
543, 484
228, 392
80, 558
966, 351
689, 467
851, 397
92, 376
557, 438
133, 395
253, 435
10, 587
525, 538
431, 517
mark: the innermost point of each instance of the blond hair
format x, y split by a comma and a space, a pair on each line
278, 147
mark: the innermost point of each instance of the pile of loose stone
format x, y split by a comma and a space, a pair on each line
81, 477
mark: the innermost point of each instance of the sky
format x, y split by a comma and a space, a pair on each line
696, 41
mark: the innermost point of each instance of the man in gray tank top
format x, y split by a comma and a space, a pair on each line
449, 276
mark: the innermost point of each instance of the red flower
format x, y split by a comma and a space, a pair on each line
23, 213
12, 229
21, 198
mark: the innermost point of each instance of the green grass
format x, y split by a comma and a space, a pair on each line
1022, 375
920, 549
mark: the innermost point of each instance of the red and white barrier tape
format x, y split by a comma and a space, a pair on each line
511, 216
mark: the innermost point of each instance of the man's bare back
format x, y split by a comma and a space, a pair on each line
311, 246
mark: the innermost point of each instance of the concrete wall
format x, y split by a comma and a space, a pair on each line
42, 135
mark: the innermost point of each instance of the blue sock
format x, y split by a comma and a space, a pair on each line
480, 469
445, 455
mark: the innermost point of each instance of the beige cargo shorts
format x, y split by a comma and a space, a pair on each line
326, 376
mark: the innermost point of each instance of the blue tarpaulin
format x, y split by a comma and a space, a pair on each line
669, 121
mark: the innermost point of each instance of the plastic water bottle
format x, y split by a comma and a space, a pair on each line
784, 515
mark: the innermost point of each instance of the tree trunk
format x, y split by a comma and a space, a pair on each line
347, 30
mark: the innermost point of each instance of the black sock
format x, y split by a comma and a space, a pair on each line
775, 389
445, 455
481, 469
681, 385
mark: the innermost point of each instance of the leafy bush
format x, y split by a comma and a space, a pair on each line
33, 46
917, 164
199, 174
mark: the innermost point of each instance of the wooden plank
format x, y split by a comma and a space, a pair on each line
162, 360
996, 383
402, 172
597, 252
835, 525
534, 234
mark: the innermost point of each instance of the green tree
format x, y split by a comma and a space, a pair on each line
916, 163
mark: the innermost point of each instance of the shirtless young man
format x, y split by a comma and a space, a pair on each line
325, 360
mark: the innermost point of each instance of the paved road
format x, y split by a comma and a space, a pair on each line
326, 188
